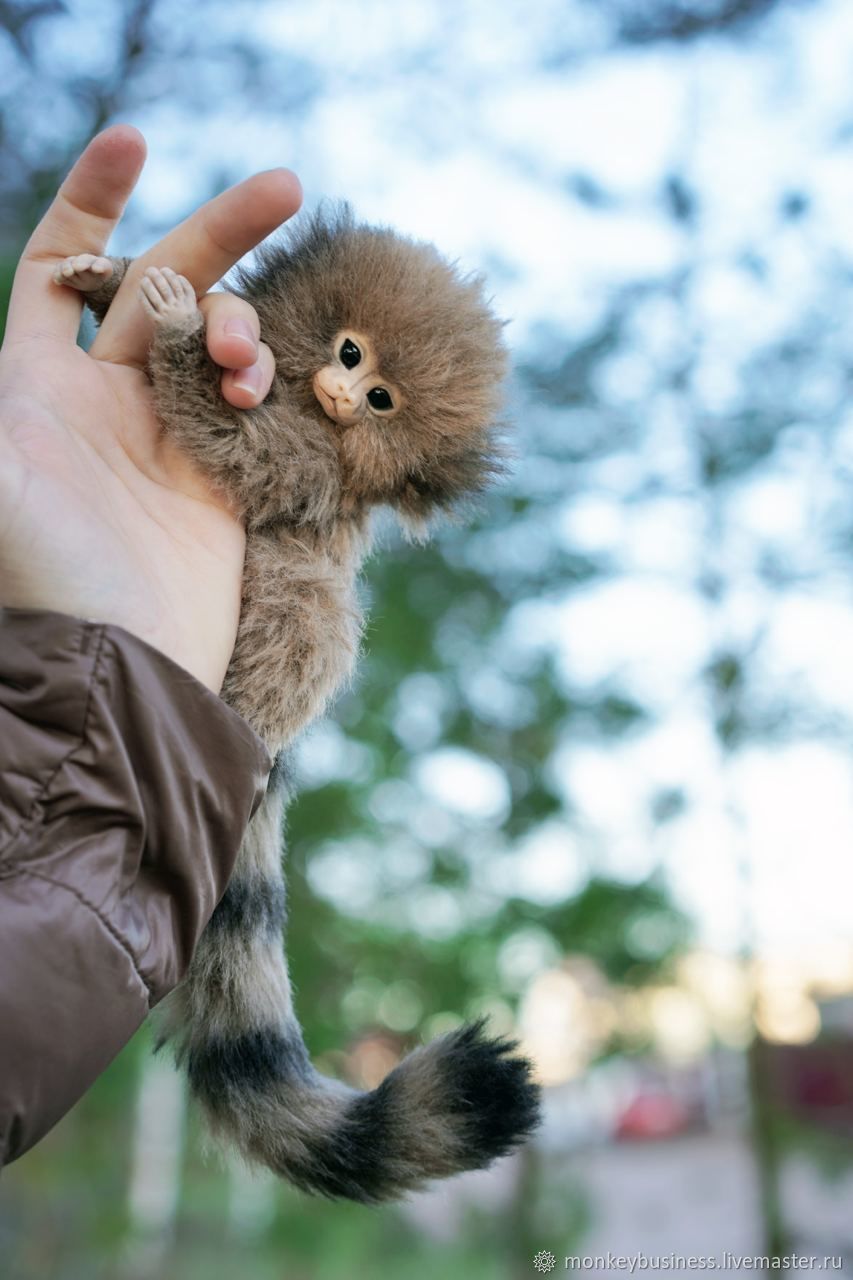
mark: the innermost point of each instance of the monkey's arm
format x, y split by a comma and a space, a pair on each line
298, 636
256, 456
98, 279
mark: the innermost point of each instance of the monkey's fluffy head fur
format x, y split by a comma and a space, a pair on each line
436, 340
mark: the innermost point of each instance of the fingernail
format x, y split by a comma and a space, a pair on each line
250, 379
238, 328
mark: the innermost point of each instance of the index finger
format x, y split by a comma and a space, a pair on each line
81, 218
202, 248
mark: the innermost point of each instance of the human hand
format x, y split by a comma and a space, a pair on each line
100, 516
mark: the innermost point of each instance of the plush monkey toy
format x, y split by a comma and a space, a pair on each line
386, 393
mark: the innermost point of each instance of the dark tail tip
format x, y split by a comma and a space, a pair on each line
454, 1105
492, 1091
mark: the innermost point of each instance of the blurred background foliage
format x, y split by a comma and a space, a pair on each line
572, 787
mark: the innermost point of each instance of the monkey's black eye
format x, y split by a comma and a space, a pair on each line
350, 354
378, 398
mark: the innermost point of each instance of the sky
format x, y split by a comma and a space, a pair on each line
475, 147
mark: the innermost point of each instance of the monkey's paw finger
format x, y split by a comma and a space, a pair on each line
167, 297
180, 285
83, 271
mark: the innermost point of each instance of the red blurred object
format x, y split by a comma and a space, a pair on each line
652, 1115
812, 1081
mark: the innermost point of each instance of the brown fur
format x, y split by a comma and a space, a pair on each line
306, 488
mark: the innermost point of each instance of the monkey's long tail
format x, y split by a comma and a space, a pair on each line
456, 1104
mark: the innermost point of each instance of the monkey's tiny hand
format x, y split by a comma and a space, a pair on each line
83, 271
169, 299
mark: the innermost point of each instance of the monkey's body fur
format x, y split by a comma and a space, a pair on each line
305, 486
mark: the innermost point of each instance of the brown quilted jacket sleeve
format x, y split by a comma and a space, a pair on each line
125, 787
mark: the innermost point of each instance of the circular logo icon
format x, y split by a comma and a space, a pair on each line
544, 1261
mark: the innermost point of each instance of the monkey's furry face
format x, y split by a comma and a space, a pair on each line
334, 294
352, 384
